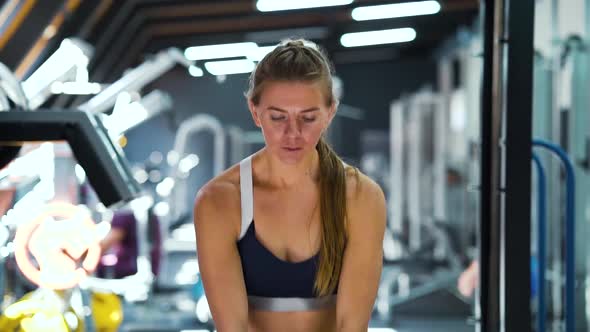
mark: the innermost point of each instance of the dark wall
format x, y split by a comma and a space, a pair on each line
372, 87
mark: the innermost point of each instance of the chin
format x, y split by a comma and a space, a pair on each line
291, 157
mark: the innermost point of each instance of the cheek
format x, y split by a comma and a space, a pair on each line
313, 133
272, 132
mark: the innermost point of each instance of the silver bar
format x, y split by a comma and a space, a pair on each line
236, 143
577, 150
414, 134
282, 304
553, 169
396, 138
190, 127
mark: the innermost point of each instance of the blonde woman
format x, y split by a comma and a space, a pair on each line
291, 238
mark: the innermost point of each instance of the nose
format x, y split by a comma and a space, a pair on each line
293, 128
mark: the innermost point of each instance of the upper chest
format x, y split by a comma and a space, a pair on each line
289, 206
288, 223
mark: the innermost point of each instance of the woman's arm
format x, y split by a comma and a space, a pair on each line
115, 235
363, 257
121, 223
219, 261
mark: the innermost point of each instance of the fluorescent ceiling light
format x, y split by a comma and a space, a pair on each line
260, 52
195, 71
377, 37
395, 10
229, 67
274, 5
245, 49
219, 51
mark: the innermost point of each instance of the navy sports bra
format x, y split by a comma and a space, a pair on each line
273, 284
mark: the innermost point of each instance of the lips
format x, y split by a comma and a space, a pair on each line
292, 149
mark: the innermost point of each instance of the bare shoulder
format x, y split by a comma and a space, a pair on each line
223, 191
360, 187
218, 201
364, 197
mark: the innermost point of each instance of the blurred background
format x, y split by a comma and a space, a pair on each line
113, 114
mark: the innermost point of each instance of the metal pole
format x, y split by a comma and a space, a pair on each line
189, 127
236, 135
489, 200
542, 128
506, 165
396, 137
441, 129
518, 83
553, 167
570, 234
577, 151
541, 247
414, 127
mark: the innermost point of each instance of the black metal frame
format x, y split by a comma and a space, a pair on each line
105, 167
489, 260
519, 107
506, 165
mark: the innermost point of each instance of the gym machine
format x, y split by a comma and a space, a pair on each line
425, 258
88, 133
561, 116
180, 212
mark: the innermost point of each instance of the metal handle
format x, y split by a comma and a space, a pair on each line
570, 306
541, 236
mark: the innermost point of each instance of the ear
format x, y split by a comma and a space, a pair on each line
254, 112
331, 113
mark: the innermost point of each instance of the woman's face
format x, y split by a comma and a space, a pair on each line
292, 116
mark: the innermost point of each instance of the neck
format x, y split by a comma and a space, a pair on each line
285, 176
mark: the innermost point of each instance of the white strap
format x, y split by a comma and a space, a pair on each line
246, 194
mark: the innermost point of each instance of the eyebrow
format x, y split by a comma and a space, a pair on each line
308, 110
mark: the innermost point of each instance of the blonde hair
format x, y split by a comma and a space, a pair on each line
302, 61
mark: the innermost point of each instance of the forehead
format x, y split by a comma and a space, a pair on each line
292, 93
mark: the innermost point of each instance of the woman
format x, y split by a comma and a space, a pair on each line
291, 238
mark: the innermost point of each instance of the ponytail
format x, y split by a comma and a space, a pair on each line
333, 215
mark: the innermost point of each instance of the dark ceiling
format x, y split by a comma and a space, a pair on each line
122, 32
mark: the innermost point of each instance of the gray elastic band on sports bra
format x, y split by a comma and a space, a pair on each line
290, 303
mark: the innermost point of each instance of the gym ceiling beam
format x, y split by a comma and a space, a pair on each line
27, 24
